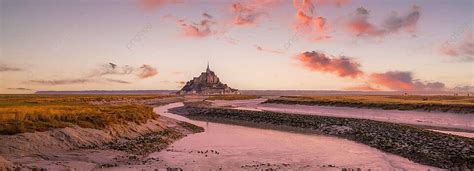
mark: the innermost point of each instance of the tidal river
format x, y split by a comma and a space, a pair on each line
232, 147
443, 120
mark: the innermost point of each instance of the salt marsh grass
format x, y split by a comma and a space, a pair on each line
29, 113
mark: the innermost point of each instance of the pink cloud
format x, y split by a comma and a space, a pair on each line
259, 48
155, 4
463, 50
304, 5
199, 30
394, 80
403, 80
6, 68
337, 3
142, 72
245, 14
146, 71
341, 66
251, 12
362, 88
359, 23
314, 26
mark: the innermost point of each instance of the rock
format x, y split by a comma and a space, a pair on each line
207, 84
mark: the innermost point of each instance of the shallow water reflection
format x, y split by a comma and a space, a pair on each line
233, 147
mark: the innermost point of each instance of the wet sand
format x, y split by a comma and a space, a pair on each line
232, 147
432, 119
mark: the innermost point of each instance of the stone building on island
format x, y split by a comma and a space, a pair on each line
206, 84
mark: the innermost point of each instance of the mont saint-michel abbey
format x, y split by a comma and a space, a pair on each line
207, 84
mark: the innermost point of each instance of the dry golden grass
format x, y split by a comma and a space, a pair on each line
232, 97
458, 104
29, 113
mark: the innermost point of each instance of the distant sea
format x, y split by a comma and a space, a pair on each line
109, 92
262, 92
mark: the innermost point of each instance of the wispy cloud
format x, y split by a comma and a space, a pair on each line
362, 88
337, 3
199, 30
341, 65
246, 14
359, 24
314, 26
395, 80
60, 81
20, 89
112, 69
5, 68
403, 80
348, 67
462, 50
250, 12
155, 4
260, 48
180, 83
77, 81
465, 88
429, 86
117, 81
98, 75
144, 71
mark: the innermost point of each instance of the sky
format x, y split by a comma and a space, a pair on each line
369, 45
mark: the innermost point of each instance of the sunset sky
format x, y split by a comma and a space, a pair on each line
251, 45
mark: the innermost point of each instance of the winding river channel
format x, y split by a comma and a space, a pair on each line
232, 147
437, 120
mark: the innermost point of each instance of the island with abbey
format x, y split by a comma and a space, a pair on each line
207, 84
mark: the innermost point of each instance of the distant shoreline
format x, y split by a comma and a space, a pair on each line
109, 92
262, 92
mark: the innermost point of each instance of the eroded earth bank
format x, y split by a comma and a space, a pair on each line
78, 140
